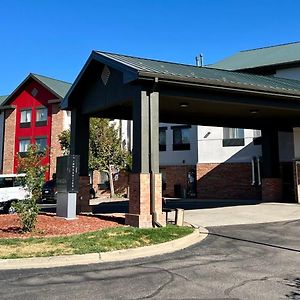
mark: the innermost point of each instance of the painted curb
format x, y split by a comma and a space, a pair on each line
197, 236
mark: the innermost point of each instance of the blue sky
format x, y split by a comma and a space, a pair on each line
55, 37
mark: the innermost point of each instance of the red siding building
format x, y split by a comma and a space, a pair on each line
33, 116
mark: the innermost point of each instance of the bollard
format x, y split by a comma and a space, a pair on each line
179, 218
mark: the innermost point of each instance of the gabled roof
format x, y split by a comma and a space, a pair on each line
261, 57
2, 99
57, 87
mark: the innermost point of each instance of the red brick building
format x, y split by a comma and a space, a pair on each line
32, 115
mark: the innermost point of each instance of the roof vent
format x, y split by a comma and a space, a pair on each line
199, 60
105, 74
34, 92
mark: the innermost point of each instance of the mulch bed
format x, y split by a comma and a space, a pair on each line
50, 225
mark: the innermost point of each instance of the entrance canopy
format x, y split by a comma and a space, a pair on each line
151, 91
109, 83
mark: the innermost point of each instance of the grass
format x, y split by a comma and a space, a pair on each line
92, 242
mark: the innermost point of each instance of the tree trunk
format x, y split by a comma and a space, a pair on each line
111, 182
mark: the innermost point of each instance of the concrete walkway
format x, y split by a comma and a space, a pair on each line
242, 214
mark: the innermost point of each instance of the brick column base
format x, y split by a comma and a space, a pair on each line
83, 196
296, 167
271, 189
139, 202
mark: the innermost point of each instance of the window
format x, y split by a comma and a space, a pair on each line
162, 139
23, 145
25, 118
181, 138
41, 142
233, 137
41, 116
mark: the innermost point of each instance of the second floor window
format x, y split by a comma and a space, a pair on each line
233, 137
181, 138
41, 116
25, 118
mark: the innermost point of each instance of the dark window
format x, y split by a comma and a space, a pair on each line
25, 118
41, 116
181, 138
162, 139
233, 137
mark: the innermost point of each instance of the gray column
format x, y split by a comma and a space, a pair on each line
270, 153
80, 139
154, 132
141, 133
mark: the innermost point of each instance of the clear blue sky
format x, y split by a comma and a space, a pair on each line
55, 37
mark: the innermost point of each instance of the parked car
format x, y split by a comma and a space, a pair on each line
11, 190
49, 192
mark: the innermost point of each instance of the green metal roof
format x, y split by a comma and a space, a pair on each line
209, 76
57, 86
2, 99
261, 57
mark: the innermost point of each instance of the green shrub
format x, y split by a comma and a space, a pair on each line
31, 165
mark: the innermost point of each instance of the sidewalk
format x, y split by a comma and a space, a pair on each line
243, 214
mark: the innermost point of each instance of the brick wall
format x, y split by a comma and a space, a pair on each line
226, 181
9, 141
56, 129
175, 175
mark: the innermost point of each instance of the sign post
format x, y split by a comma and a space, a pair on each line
67, 181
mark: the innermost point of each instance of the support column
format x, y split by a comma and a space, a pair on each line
156, 178
80, 146
296, 163
271, 180
145, 181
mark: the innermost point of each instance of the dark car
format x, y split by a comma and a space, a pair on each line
49, 192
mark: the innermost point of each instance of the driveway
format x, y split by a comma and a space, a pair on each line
259, 261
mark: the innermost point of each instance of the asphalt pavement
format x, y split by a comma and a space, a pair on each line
258, 261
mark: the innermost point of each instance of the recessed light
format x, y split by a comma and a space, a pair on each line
183, 104
254, 111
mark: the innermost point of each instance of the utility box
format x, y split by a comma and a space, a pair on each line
67, 182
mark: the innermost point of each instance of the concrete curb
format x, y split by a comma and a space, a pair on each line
197, 236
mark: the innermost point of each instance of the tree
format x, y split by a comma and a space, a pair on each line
31, 165
105, 149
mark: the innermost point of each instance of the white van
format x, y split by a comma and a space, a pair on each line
11, 190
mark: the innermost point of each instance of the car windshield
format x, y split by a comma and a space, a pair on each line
49, 184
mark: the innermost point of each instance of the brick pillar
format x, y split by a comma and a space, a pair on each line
140, 202
83, 196
160, 216
9, 141
296, 166
271, 189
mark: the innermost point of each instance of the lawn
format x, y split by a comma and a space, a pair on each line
104, 240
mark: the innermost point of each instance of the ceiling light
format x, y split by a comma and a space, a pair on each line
183, 104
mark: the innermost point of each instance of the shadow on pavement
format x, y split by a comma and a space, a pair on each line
186, 204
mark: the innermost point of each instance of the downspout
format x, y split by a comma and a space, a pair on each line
155, 223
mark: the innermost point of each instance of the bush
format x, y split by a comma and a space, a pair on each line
31, 165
